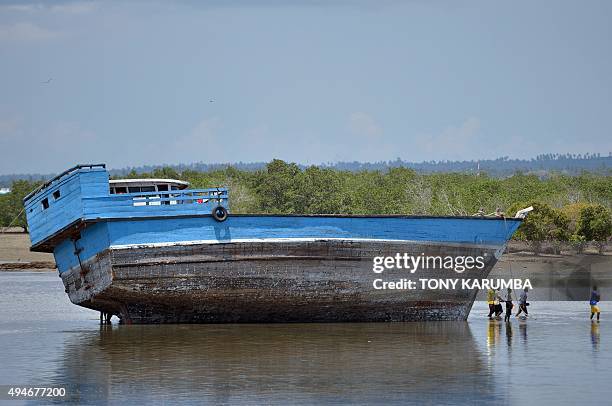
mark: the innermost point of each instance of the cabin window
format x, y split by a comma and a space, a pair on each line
134, 189
119, 190
163, 188
56, 194
147, 189
45, 204
174, 187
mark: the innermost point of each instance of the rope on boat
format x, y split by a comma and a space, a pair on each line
5, 229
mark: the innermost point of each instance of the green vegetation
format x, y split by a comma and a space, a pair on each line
11, 204
544, 223
594, 224
574, 209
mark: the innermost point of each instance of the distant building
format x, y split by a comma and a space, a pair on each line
4, 190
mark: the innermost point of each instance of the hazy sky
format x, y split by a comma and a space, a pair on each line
312, 81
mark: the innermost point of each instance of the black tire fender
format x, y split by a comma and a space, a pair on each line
219, 213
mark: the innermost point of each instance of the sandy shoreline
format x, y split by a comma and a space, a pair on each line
15, 254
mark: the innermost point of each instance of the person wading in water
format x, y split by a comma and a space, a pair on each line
595, 298
497, 302
523, 303
509, 305
491, 302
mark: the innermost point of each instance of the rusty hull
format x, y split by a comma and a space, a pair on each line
249, 282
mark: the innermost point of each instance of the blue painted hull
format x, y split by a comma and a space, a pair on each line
99, 236
271, 268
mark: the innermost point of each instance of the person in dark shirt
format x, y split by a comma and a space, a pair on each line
595, 298
509, 305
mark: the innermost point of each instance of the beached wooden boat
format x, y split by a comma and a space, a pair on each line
154, 251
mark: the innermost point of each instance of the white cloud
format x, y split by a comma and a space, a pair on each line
10, 127
51, 146
261, 131
22, 8
470, 141
68, 132
26, 31
364, 125
203, 133
78, 7
454, 142
201, 142
71, 7
465, 133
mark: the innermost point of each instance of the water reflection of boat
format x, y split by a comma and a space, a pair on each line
304, 363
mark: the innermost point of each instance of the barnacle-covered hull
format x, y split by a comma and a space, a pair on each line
269, 281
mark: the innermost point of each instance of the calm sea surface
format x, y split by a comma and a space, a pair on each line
558, 356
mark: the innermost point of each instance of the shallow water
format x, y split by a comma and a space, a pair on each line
557, 356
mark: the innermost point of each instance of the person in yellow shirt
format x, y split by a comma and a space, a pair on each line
497, 299
491, 302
